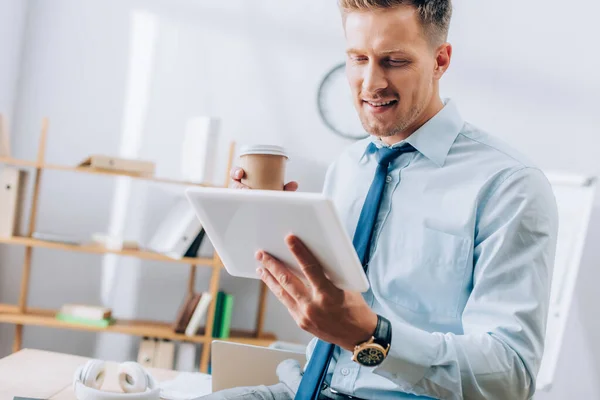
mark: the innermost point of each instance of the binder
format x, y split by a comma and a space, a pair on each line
199, 149
146, 352
164, 354
13, 183
186, 357
179, 233
4, 139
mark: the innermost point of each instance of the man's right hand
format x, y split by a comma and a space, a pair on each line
237, 174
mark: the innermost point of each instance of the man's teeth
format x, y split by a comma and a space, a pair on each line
381, 104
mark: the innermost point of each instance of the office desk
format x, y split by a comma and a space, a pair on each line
48, 375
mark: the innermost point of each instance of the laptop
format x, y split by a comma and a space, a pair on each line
236, 365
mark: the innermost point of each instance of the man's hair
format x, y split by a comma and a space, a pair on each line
434, 15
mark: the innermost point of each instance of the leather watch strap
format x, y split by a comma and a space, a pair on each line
383, 332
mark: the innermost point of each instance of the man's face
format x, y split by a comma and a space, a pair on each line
390, 67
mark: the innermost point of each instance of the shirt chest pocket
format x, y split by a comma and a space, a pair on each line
425, 273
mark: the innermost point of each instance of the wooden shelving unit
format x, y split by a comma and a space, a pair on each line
161, 330
97, 249
21, 315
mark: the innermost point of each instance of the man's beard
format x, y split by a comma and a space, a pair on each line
400, 126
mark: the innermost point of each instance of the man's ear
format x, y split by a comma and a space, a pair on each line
442, 60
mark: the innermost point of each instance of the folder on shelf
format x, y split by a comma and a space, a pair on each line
117, 164
179, 233
186, 357
192, 251
13, 183
4, 139
164, 354
146, 352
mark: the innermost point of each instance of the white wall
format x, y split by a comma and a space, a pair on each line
253, 67
525, 71
12, 27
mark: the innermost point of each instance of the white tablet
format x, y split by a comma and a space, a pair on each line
240, 222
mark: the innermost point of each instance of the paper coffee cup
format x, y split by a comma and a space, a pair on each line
264, 166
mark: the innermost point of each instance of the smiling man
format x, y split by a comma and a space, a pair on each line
456, 231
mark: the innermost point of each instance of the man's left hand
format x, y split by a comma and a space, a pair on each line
336, 316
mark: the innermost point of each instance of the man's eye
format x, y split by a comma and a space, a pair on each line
397, 62
359, 59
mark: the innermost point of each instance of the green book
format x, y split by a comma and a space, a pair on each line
226, 316
99, 323
218, 314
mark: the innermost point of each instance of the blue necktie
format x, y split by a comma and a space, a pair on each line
316, 370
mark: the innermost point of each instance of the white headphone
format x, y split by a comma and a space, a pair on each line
133, 379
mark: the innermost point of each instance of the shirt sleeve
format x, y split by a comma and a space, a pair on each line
499, 353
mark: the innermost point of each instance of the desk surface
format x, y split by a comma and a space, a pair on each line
48, 375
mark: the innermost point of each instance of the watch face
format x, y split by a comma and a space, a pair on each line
370, 356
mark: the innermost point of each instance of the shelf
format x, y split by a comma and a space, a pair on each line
86, 170
97, 249
45, 318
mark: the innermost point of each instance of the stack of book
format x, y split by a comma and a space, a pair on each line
192, 314
85, 314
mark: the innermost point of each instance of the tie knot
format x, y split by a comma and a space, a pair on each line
386, 155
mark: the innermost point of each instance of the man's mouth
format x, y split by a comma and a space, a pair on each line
380, 106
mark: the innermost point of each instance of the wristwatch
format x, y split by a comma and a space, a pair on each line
372, 352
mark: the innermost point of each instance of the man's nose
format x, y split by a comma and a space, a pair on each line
374, 79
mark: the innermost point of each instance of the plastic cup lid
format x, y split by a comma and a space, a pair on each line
263, 149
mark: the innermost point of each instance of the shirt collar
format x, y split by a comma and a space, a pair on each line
435, 138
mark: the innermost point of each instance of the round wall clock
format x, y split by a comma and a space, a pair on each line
336, 108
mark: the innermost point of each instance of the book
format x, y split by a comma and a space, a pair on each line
192, 251
181, 310
186, 311
218, 312
198, 315
86, 311
99, 323
225, 325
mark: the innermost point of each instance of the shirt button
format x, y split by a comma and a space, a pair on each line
345, 371
388, 179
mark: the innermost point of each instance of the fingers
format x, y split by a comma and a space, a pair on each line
285, 278
291, 186
236, 175
310, 266
237, 185
282, 295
